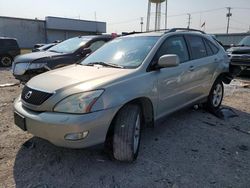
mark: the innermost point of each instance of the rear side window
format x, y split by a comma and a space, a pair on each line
209, 49
9, 42
174, 45
214, 48
197, 46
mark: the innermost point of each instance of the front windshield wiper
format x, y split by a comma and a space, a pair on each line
55, 51
105, 64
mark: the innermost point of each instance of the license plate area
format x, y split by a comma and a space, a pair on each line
20, 121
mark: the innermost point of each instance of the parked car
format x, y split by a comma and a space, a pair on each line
240, 57
9, 49
65, 53
44, 47
130, 83
39, 45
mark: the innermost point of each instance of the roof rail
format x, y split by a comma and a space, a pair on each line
184, 29
131, 33
166, 31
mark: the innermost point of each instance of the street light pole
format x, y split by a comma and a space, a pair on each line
189, 20
166, 15
141, 24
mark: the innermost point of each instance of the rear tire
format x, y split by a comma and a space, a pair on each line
127, 133
6, 61
215, 96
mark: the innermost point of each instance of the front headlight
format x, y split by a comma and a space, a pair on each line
78, 103
36, 65
19, 68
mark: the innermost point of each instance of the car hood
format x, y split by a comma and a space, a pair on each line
34, 56
77, 76
240, 50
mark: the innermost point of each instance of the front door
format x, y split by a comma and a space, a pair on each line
175, 84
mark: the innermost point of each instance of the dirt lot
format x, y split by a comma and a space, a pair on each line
191, 148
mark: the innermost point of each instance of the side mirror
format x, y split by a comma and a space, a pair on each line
170, 60
86, 51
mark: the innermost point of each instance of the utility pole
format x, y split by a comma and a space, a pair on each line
166, 15
229, 14
189, 20
141, 24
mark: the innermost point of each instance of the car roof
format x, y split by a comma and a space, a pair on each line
7, 38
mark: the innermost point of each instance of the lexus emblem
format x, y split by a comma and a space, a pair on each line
28, 95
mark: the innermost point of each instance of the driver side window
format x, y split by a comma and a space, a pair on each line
174, 45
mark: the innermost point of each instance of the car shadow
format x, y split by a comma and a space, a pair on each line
191, 148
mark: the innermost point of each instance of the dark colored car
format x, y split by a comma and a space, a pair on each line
9, 49
38, 45
240, 57
67, 52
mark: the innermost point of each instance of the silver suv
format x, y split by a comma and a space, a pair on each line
129, 83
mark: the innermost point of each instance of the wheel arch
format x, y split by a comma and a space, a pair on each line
225, 77
147, 110
7, 54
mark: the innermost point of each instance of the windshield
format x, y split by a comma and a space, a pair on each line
46, 46
245, 41
127, 52
70, 45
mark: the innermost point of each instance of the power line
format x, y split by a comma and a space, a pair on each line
242, 8
123, 22
197, 12
229, 16
174, 15
216, 29
239, 22
239, 29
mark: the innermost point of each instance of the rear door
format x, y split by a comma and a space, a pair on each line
203, 64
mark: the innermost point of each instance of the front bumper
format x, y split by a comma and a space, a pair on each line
22, 72
54, 126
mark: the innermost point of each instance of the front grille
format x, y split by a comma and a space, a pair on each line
34, 97
241, 52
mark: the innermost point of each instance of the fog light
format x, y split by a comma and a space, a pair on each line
76, 136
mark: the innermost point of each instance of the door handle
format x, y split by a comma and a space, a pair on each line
191, 68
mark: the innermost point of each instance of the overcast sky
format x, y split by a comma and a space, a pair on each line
124, 15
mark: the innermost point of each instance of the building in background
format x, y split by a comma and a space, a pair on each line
32, 31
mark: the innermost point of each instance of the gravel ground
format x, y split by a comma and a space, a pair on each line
190, 148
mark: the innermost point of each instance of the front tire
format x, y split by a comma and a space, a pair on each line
6, 61
215, 96
127, 133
